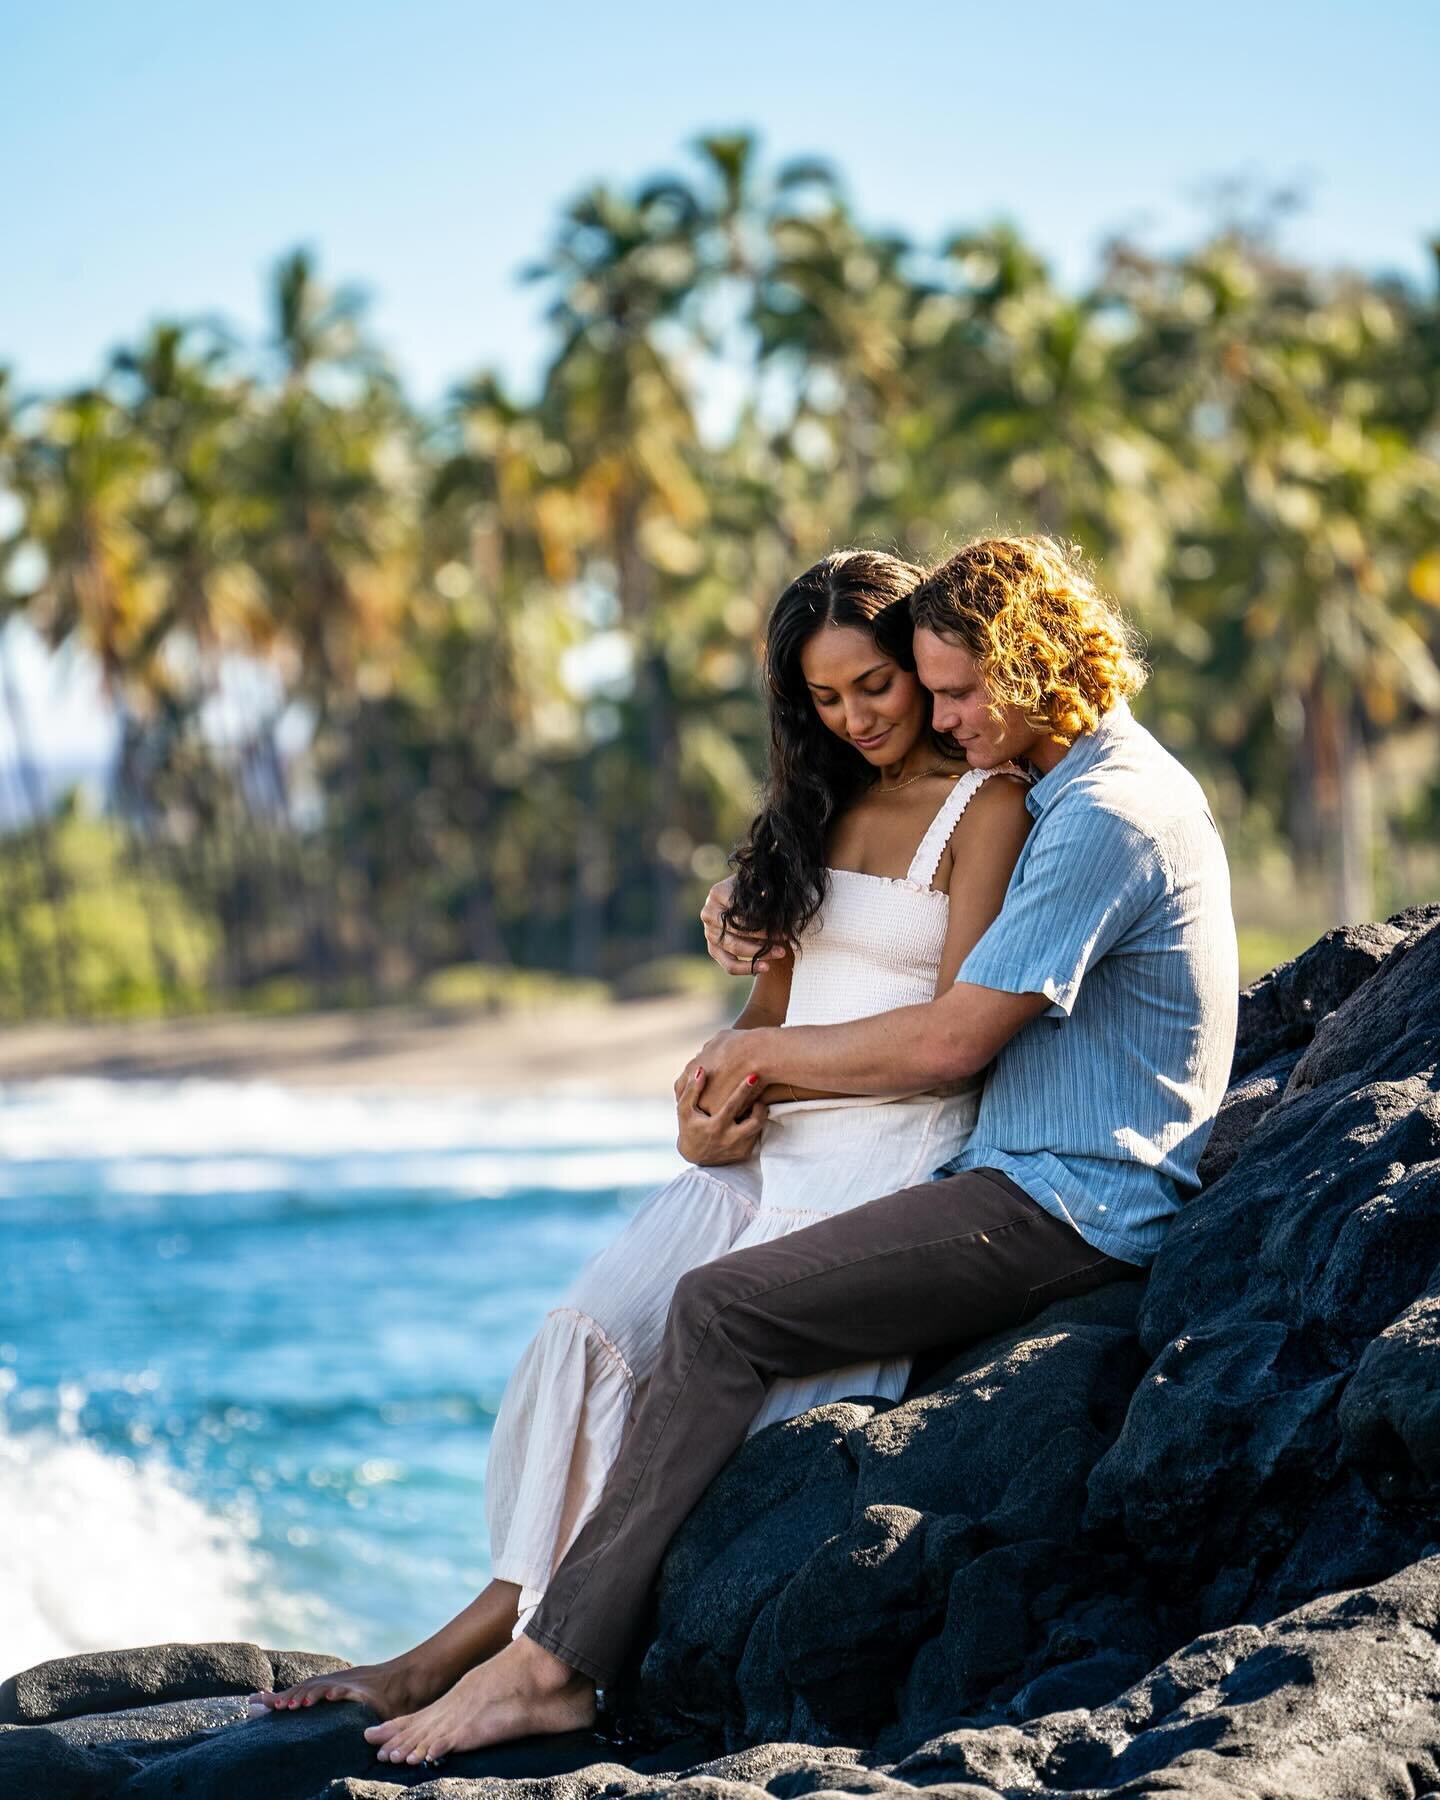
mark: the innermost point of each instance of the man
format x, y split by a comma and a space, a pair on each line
1105, 996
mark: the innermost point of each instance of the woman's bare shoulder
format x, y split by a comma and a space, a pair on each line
1002, 796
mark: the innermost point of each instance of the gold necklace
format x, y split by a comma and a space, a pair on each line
937, 770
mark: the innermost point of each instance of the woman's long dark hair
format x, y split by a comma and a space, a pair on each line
812, 776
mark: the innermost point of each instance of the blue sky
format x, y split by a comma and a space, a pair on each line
161, 156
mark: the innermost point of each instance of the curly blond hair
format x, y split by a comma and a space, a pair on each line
1046, 637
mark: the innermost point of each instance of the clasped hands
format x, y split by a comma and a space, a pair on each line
718, 1098
717, 1094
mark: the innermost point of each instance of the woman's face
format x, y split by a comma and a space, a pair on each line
863, 695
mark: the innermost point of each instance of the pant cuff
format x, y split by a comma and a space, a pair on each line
571, 1658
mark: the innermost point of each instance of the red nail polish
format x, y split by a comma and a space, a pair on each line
750, 1080
699, 1073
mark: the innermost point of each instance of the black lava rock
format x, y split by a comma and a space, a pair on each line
107, 1680
1179, 1535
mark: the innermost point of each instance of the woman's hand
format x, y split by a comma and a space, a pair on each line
733, 950
727, 1135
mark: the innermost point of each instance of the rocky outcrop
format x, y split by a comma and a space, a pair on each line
957, 1512
1068, 1504
107, 1681
1178, 1535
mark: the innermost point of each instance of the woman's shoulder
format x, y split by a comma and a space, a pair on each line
996, 800
1010, 774
1001, 789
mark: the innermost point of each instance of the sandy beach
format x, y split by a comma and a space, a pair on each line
634, 1049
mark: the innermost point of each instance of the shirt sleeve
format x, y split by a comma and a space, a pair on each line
1082, 883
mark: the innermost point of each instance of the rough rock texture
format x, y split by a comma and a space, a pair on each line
1179, 1536
1066, 1505
106, 1681
977, 1485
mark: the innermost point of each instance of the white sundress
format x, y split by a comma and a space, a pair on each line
875, 945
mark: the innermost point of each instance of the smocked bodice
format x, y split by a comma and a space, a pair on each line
876, 941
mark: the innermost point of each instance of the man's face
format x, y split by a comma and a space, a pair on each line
988, 735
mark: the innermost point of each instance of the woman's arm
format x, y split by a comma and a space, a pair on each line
768, 1003
732, 1132
769, 998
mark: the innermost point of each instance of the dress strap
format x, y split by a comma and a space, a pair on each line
932, 845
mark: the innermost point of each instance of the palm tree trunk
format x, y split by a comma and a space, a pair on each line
1355, 838
592, 879
1344, 809
663, 747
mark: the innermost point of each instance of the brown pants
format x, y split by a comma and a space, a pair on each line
933, 1265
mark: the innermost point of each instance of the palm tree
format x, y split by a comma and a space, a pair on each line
622, 271
833, 311
1306, 544
490, 624
40, 971
80, 476
188, 407
325, 474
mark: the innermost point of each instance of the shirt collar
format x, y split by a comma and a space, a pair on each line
1081, 756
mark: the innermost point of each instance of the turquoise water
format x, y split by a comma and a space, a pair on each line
252, 1343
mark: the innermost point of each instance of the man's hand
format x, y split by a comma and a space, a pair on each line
731, 1058
727, 1135
733, 950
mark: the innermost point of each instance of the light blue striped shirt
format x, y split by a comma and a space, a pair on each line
1118, 911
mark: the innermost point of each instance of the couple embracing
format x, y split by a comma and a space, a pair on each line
992, 1020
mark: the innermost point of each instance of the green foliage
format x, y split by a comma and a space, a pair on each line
502, 714
1263, 949
133, 945
480, 987
669, 976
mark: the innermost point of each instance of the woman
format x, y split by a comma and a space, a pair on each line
876, 862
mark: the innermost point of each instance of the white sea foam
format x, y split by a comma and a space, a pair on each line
194, 1136
463, 1176
99, 1550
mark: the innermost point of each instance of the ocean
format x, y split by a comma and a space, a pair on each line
253, 1340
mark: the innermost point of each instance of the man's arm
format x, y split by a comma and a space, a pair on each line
914, 1048
906, 1051
1087, 879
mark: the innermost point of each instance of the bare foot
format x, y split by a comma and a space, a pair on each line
397, 1686
522, 1692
